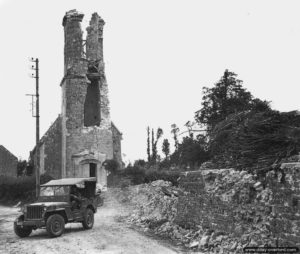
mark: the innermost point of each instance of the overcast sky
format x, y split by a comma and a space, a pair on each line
158, 54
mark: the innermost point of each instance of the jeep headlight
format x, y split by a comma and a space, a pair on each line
24, 209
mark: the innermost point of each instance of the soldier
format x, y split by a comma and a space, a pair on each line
75, 197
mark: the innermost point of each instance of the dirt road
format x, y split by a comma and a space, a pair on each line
109, 235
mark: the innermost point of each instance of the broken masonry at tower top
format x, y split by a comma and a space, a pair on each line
83, 56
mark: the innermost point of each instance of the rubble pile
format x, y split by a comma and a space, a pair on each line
222, 211
219, 212
155, 203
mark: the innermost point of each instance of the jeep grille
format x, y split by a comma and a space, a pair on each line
34, 212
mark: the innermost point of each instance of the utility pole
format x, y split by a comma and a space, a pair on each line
37, 116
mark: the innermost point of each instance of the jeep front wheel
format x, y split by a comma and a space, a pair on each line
22, 231
88, 219
55, 225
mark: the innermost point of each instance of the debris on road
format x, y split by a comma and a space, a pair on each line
229, 211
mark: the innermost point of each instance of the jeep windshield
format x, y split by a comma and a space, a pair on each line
54, 191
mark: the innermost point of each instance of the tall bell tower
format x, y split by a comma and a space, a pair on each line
87, 138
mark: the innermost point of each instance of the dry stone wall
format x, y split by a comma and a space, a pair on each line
234, 202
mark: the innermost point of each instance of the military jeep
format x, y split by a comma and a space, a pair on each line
60, 202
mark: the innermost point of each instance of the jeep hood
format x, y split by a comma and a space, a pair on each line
47, 204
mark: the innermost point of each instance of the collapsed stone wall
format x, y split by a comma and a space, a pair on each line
234, 202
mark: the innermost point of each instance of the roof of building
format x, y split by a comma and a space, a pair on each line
69, 181
52, 127
115, 127
5, 150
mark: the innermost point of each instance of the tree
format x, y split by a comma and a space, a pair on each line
30, 168
166, 147
111, 165
21, 167
139, 163
152, 143
189, 126
226, 97
175, 131
159, 133
148, 144
191, 152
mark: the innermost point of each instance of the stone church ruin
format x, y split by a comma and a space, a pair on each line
83, 135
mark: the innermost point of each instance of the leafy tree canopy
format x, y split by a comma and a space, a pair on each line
226, 97
191, 152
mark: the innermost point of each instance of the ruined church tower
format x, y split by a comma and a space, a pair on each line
82, 137
87, 135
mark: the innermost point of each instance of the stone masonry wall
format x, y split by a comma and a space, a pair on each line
73, 41
77, 136
96, 67
235, 203
117, 137
8, 162
50, 150
91, 139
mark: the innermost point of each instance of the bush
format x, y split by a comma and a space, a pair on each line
136, 174
19, 189
139, 175
12, 189
165, 164
111, 165
171, 176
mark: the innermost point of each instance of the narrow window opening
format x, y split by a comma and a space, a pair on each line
93, 167
92, 105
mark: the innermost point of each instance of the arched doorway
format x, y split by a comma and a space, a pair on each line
90, 165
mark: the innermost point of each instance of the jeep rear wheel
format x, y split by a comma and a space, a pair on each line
55, 225
88, 219
22, 231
